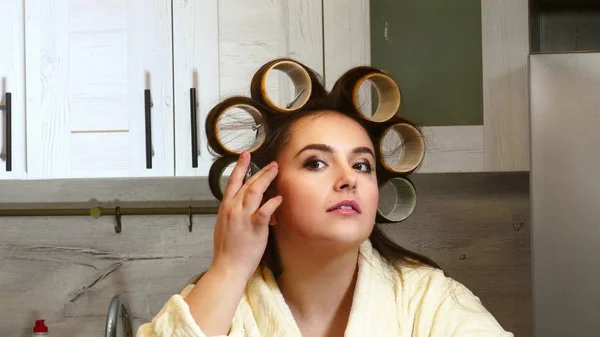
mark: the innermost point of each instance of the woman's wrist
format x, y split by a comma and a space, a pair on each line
229, 274
215, 297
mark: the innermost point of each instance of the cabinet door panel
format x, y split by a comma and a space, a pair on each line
218, 46
196, 65
88, 64
12, 80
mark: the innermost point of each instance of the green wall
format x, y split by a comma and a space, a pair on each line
433, 50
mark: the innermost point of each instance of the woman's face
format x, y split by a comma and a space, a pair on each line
327, 180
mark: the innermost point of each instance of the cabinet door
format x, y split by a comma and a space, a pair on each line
88, 65
12, 91
219, 45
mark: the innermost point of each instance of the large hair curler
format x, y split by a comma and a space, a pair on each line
388, 92
297, 73
409, 155
217, 169
397, 201
217, 129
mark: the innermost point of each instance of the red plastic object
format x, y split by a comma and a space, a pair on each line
40, 327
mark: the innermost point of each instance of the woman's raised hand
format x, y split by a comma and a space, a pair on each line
242, 228
240, 239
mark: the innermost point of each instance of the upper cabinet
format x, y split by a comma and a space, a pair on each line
12, 91
99, 88
122, 88
219, 45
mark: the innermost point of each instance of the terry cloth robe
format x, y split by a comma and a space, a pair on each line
409, 302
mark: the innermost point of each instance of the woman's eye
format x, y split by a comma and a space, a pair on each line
364, 167
314, 164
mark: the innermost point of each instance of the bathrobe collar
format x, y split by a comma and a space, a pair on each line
373, 312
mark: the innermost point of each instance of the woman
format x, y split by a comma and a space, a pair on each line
296, 249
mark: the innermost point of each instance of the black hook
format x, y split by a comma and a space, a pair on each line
118, 218
191, 222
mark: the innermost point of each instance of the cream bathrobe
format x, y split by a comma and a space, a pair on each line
412, 301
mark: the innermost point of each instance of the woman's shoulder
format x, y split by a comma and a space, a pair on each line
413, 272
422, 280
409, 276
441, 303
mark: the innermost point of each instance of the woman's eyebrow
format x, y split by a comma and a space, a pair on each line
363, 149
329, 149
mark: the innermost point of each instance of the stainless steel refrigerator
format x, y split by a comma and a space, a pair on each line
565, 193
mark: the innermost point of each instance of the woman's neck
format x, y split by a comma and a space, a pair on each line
318, 285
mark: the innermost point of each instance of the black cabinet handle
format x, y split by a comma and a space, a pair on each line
8, 109
193, 117
147, 109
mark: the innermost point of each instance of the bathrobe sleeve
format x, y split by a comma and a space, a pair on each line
175, 320
441, 306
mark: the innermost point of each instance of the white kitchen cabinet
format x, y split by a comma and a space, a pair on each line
219, 45
78, 93
88, 64
12, 91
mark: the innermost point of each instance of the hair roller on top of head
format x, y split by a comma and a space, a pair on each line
302, 78
386, 130
388, 91
216, 125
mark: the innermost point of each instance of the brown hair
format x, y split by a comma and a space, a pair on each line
277, 126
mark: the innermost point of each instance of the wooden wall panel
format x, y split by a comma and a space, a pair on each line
477, 227
505, 45
66, 269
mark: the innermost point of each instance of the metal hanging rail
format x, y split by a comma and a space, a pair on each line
116, 211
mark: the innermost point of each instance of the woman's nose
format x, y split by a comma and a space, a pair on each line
346, 180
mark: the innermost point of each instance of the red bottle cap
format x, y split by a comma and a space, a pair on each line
40, 327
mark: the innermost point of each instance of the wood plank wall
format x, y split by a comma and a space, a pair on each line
66, 269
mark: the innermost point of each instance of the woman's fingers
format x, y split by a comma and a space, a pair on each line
249, 193
258, 174
253, 191
262, 216
236, 180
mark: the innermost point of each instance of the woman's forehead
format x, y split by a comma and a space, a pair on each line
333, 129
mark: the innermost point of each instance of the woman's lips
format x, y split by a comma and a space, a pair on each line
345, 207
344, 211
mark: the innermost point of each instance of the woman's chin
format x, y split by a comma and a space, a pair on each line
346, 233
339, 231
